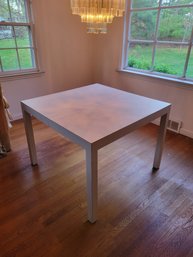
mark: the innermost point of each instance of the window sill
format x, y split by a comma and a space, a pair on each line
181, 82
8, 77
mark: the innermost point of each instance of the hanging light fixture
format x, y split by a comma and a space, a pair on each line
97, 13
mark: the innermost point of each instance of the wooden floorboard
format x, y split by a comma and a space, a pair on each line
43, 209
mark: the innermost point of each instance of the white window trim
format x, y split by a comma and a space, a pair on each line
22, 73
126, 40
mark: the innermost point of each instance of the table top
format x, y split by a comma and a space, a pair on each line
96, 111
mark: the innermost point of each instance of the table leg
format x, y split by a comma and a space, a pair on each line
160, 141
92, 182
30, 137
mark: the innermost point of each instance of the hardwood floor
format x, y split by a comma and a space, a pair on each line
140, 213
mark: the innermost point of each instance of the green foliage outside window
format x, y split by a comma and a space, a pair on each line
168, 44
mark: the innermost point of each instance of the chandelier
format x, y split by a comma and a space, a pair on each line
97, 13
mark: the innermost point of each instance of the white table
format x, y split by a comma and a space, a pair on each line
94, 116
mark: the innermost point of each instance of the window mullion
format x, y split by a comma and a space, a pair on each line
155, 36
18, 59
124, 62
13, 48
32, 35
188, 55
163, 7
128, 32
1, 66
7, 23
9, 8
140, 41
173, 42
158, 41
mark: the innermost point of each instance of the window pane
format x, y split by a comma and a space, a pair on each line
140, 56
175, 24
26, 57
170, 59
18, 11
143, 25
9, 60
189, 73
144, 3
175, 2
22, 36
4, 11
6, 37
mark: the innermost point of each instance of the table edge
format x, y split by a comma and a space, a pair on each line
102, 141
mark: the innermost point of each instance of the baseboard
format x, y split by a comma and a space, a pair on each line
17, 117
183, 131
186, 132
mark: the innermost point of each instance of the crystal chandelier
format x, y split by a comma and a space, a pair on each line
97, 13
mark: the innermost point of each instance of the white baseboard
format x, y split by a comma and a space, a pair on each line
17, 116
186, 132
183, 131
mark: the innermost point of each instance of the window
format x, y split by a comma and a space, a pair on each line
17, 51
159, 38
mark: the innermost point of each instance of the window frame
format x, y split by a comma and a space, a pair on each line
34, 58
127, 40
